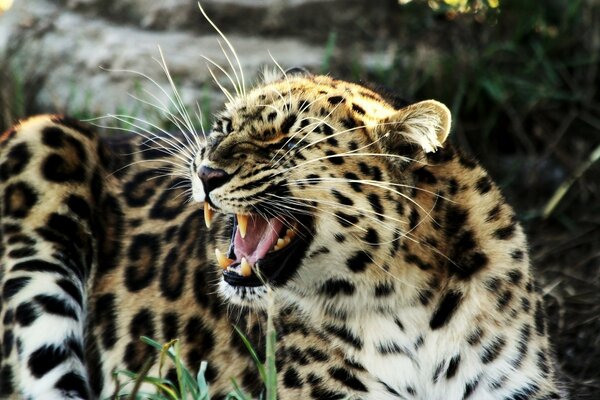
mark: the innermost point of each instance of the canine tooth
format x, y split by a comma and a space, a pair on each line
223, 261
208, 214
280, 242
245, 268
287, 240
242, 224
290, 233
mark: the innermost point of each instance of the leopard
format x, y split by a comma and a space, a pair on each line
386, 259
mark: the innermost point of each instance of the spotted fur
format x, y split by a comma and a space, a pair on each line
414, 282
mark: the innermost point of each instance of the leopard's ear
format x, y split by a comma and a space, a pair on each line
275, 74
422, 126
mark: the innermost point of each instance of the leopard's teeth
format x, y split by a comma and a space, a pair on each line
222, 260
208, 214
290, 233
245, 268
242, 221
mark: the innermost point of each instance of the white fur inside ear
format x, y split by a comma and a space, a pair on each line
271, 75
426, 123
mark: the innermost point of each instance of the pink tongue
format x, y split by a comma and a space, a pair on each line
261, 236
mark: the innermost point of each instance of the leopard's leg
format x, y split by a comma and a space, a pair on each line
49, 182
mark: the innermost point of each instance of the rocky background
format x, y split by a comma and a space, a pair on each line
521, 78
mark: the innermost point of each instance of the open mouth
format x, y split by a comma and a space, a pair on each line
262, 250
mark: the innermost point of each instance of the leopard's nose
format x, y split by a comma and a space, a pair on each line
212, 178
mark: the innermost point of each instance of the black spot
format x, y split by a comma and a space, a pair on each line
345, 335
341, 198
375, 203
437, 372
446, 309
271, 116
40, 266
291, 378
13, 286
139, 190
525, 304
7, 343
416, 260
105, 317
26, 314
517, 255
57, 168
72, 384
45, 359
372, 237
57, 306
470, 388
22, 252
483, 185
383, 289
332, 141
452, 186
16, 160
455, 219
524, 393
317, 354
540, 325
345, 220
73, 124
340, 238
313, 179
173, 274
493, 350
19, 198
358, 109
494, 214
334, 287
336, 100
355, 181
467, 162
169, 204
6, 381
469, 263
79, 206
413, 219
320, 393
346, 378
475, 337
506, 232
386, 348
54, 137
334, 158
199, 336
143, 254
522, 346
453, 366
287, 123
423, 175
137, 352
69, 288
515, 276
504, 300
359, 261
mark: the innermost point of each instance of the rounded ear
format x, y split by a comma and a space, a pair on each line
276, 74
425, 124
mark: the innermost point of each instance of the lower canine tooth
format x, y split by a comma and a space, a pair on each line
280, 243
222, 260
245, 268
208, 214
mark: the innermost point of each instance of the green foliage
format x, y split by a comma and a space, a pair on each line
187, 386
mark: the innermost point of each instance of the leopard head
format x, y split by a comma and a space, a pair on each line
307, 173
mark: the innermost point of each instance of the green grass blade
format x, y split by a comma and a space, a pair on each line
257, 361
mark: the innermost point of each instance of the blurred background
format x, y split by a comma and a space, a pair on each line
520, 76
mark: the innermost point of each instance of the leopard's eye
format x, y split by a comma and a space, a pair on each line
291, 144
